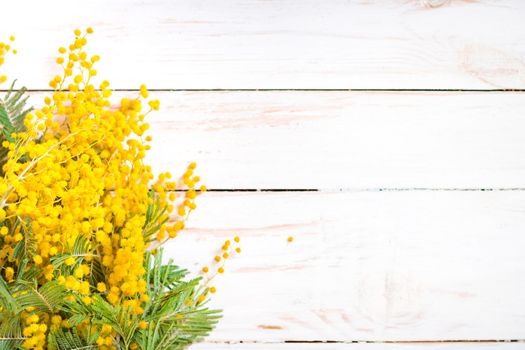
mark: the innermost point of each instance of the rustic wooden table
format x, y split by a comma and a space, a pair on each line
385, 136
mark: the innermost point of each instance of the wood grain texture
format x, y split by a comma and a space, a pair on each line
279, 44
353, 346
342, 140
363, 266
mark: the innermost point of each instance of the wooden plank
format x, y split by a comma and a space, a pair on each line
363, 266
342, 140
353, 346
279, 44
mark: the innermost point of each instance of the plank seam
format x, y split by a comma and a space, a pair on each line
406, 341
372, 189
463, 341
447, 341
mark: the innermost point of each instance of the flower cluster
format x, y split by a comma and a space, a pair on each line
79, 203
227, 250
4, 50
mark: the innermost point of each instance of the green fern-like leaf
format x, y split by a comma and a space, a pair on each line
122, 320
13, 111
80, 251
10, 343
173, 322
7, 300
155, 217
48, 298
26, 248
10, 318
71, 340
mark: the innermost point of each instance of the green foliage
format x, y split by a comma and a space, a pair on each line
48, 298
10, 322
13, 111
80, 251
174, 315
27, 246
155, 217
18, 296
71, 340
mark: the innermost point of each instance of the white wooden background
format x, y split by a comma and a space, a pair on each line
404, 118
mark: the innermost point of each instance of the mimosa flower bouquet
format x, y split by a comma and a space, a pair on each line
83, 220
